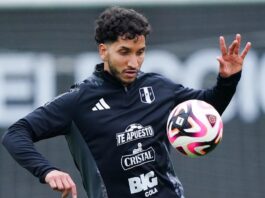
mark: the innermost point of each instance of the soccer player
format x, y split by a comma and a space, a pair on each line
115, 120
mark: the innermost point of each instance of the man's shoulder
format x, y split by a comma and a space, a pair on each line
152, 76
92, 81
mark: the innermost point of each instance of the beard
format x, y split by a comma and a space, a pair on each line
119, 75
113, 71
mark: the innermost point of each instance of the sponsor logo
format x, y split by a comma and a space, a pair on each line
145, 182
147, 95
139, 157
101, 105
134, 132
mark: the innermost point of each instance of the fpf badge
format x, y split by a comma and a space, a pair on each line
147, 95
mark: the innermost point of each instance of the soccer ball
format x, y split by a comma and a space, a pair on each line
194, 128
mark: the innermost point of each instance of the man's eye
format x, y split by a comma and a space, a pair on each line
124, 52
140, 53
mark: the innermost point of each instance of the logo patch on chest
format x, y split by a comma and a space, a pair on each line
147, 95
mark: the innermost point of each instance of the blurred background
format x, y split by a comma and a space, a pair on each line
45, 46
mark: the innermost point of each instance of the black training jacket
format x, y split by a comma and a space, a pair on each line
116, 134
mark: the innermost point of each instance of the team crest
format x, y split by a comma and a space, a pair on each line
147, 95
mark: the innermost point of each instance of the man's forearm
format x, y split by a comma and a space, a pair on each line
18, 141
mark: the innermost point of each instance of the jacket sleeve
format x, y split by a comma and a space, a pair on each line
50, 120
219, 95
18, 141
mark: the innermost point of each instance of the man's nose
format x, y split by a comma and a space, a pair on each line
133, 61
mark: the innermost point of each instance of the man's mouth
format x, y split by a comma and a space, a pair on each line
130, 73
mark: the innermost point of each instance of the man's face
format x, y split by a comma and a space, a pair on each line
123, 58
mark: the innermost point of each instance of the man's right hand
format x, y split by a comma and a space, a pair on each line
62, 182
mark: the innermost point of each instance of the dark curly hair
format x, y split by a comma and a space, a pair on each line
116, 21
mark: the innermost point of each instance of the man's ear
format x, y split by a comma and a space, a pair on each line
103, 51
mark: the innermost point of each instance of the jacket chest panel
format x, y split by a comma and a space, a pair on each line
112, 113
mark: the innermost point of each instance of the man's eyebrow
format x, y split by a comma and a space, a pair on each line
143, 48
128, 49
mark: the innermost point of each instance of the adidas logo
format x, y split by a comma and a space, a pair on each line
101, 105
